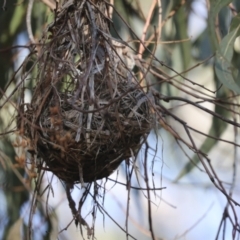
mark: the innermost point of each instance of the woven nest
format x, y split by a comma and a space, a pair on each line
88, 113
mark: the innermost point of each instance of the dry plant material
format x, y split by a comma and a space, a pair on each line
88, 111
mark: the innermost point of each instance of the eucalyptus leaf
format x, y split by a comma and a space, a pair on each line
18, 18
235, 23
225, 70
181, 33
215, 7
224, 52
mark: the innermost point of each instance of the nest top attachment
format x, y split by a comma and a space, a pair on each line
88, 111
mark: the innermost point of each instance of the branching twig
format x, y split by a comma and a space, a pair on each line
76, 214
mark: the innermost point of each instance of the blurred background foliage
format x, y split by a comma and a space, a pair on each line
176, 49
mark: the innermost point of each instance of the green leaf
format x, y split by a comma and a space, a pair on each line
215, 7
18, 18
181, 33
225, 70
224, 49
235, 23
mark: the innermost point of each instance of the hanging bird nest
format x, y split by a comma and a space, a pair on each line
88, 111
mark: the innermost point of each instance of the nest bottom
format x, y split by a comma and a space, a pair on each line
77, 166
80, 146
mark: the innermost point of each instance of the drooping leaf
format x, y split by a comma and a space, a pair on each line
181, 34
226, 72
18, 19
215, 7
217, 126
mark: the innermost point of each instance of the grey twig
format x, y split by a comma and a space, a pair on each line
28, 21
